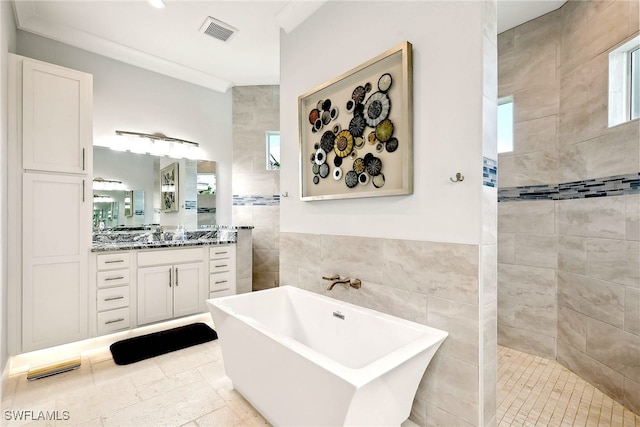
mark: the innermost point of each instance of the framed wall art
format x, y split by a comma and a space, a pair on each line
169, 187
356, 131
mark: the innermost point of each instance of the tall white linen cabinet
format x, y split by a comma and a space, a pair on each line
50, 203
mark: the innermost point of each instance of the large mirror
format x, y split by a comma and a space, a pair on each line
127, 191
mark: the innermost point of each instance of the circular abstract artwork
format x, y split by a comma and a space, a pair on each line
343, 143
377, 108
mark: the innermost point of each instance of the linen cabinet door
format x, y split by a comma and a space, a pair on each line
57, 106
155, 294
55, 257
187, 290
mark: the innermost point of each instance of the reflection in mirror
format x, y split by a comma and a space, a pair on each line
105, 212
117, 208
137, 203
128, 204
206, 186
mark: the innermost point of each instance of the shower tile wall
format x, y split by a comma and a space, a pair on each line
256, 191
569, 269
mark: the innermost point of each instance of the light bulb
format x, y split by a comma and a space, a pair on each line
158, 4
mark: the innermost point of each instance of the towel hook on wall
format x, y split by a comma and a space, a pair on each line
459, 178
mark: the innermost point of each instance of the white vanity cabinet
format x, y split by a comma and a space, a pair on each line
49, 221
170, 283
113, 290
222, 270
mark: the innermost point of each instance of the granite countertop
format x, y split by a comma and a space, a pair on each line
121, 241
123, 246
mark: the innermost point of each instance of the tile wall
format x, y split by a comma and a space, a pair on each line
568, 234
426, 282
256, 191
487, 272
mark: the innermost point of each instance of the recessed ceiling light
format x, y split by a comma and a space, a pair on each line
159, 4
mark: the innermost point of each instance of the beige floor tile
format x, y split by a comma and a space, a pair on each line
179, 407
533, 391
189, 388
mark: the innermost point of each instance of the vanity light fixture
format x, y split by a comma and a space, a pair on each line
102, 199
107, 184
156, 137
158, 4
155, 144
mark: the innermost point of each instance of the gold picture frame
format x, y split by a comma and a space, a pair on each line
169, 180
356, 131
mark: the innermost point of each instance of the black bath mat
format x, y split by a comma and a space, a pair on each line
136, 349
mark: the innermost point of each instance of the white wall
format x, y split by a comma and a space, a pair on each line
447, 71
400, 245
132, 99
7, 44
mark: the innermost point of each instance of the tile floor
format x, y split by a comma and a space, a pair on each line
533, 391
189, 388
185, 388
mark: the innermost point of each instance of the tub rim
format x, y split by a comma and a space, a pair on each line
358, 377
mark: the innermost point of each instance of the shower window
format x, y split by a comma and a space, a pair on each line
624, 82
273, 150
634, 75
505, 125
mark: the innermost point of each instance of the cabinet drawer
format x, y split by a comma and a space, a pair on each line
219, 294
113, 278
220, 252
113, 320
219, 281
111, 298
113, 261
170, 256
219, 265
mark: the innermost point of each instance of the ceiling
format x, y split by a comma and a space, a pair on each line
169, 40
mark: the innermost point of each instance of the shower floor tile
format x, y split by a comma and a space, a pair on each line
533, 391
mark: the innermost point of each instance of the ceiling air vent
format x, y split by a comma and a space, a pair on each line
218, 29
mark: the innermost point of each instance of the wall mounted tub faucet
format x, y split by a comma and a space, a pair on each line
335, 279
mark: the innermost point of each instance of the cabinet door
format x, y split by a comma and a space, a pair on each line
186, 292
155, 294
56, 118
55, 256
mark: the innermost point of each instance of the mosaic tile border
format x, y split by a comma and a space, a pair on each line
617, 185
251, 200
489, 172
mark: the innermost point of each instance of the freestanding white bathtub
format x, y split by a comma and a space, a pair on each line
303, 359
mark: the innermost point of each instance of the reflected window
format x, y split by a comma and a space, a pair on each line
273, 150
